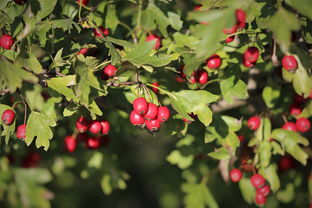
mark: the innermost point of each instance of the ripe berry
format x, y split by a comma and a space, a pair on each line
83, 51
152, 125
241, 138
230, 39
236, 175
97, 33
109, 70
82, 124
163, 114
154, 37
214, 61
251, 54
105, 127
260, 199
83, 2
140, 106
289, 63
303, 124
192, 79
257, 180
294, 110
240, 18
93, 143
6, 41
152, 112
265, 190
248, 64
202, 77
8, 116
154, 88
20, 2
286, 163
231, 30
136, 119
21, 131
82, 137
197, 7
290, 126
70, 143
254, 122
95, 127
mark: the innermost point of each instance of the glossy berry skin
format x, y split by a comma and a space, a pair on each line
21, 131
6, 41
251, 54
70, 143
105, 127
290, 126
163, 114
109, 70
136, 119
95, 127
154, 37
8, 116
260, 199
152, 125
303, 125
83, 2
83, 51
97, 33
202, 77
265, 190
289, 63
294, 110
248, 64
82, 124
154, 88
93, 143
231, 30
236, 175
140, 106
214, 61
152, 112
240, 18
257, 180
254, 122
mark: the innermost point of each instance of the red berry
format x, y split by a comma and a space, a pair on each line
154, 37
83, 51
202, 77
136, 119
236, 175
260, 199
248, 64
6, 41
163, 114
290, 126
152, 112
20, 2
257, 180
230, 39
303, 124
254, 122
214, 61
241, 138
240, 18
197, 7
82, 137
109, 70
98, 33
186, 120
294, 110
289, 63
152, 125
251, 54
193, 78
286, 163
105, 127
95, 127
140, 106
154, 88
93, 143
83, 2
82, 124
70, 143
265, 190
8, 116
31, 160
231, 30
21, 131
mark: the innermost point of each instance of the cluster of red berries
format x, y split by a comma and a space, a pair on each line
301, 125
6, 42
8, 117
98, 128
240, 24
148, 114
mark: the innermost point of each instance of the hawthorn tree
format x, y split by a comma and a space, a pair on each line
174, 102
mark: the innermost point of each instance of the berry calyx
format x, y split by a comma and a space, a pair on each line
70, 143
154, 37
105, 127
290, 126
254, 122
214, 61
8, 116
202, 77
251, 54
260, 199
82, 124
152, 112
98, 32
289, 63
236, 175
140, 106
21, 131
152, 125
6, 41
109, 70
265, 190
163, 114
95, 127
240, 18
303, 124
136, 119
257, 180
93, 143
156, 84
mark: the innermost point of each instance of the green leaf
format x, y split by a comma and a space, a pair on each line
43, 8
302, 82
303, 6
62, 86
111, 17
271, 93
38, 126
220, 154
248, 191
182, 161
115, 57
29, 61
270, 174
175, 20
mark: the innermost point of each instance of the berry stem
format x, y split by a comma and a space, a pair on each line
164, 91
